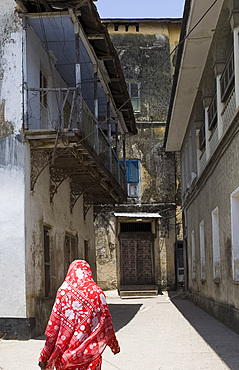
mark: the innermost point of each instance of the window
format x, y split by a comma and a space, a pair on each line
132, 168
228, 77
212, 113
202, 251
202, 137
47, 262
134, 93
215, 244
235, 234
133, 183
193, 255
70, 250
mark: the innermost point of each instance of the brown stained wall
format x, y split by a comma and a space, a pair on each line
145, 58
157, 167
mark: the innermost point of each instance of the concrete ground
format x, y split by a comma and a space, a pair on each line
162, 333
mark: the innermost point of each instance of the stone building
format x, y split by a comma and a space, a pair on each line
203, 125
139, 243
61, 87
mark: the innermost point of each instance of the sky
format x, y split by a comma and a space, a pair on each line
140, 8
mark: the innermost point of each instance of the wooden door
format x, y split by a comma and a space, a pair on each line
136, 259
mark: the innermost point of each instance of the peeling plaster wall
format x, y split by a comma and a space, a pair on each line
23, 213
12, 235
57, 216
141, 54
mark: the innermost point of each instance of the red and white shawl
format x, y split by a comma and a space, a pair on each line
80, 325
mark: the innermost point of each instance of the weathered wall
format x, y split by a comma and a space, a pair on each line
12, 238
141, 56
157, 168
23, 310
39, 213
106, 247
144, 56
225, 180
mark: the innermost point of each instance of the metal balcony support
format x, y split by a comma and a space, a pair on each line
57, 177
76, 192
40, 159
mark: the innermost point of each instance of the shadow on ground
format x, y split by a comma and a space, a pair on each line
122, 314
221, 339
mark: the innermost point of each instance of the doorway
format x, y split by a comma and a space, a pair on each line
136, 254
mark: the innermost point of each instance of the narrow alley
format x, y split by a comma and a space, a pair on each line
163, 333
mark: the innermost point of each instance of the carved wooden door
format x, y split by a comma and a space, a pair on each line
136, 259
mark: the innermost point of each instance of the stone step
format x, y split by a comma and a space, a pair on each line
140, 291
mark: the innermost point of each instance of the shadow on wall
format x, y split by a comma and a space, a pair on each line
122, 314
221, 339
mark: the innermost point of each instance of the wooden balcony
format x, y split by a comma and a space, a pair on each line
68, 138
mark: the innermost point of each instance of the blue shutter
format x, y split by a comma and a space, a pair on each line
132, 170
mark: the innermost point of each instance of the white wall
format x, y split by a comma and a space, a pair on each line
12, 244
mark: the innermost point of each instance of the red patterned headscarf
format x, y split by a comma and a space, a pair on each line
80, 325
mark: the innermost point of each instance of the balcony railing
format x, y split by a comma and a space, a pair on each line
66, 110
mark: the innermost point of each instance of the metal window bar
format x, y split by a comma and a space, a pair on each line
227, 80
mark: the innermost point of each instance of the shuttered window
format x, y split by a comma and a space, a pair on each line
134, 93
132, 167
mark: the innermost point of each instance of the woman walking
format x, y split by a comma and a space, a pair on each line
80, 325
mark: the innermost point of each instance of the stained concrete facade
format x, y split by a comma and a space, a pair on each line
144, 47
46, 222
209, 157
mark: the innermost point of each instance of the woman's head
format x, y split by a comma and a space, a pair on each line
79, 271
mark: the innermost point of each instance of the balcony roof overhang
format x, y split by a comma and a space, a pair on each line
191, 60
97, 36
75, 159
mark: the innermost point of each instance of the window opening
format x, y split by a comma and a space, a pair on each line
134, 93
202, 251
235, 234
70, 250
193, 255
130, 227
216, 245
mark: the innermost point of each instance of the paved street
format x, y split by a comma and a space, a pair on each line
163, 333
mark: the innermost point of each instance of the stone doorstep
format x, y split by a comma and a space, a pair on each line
141, 291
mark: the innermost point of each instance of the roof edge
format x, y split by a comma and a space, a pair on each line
181, 44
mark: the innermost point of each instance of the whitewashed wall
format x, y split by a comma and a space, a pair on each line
12, 243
